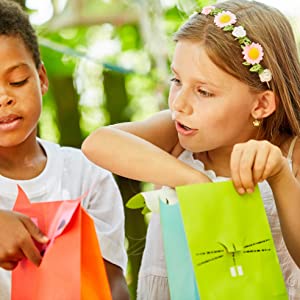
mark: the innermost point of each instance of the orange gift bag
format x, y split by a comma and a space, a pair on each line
72, 267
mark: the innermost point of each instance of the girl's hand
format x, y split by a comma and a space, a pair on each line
255, 161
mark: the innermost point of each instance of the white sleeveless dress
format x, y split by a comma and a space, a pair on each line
153, 281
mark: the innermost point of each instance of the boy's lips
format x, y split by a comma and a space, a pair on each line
9, 122
8, 118
184, 130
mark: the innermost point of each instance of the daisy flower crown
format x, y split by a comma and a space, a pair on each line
253, 52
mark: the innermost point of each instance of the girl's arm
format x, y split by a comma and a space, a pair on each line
255, 161
286, 190
140, 151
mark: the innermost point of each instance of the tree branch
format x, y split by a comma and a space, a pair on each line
117, 19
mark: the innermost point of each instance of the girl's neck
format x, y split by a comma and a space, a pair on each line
24, 161
217, 160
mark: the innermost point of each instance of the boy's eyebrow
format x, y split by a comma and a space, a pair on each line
19, 65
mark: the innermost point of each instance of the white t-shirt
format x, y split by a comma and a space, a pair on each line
69, 174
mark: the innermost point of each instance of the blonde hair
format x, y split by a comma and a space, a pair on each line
270, 28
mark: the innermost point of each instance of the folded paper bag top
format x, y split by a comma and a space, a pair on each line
72, 267
51, 217
150, 200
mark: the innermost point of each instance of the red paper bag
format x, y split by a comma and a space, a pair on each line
72, 267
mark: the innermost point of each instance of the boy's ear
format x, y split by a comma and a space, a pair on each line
264, 105
44, 82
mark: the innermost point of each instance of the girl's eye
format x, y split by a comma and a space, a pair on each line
204, 93
175, 81
19, 83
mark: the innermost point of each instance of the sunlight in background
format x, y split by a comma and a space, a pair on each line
44, 9
288, 7
101, 45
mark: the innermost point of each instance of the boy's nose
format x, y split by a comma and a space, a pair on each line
6, 101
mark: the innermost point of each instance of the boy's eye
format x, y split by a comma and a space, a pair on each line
19, 83
175, 80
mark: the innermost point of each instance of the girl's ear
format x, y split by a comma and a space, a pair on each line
264, 105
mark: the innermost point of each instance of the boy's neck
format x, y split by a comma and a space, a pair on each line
24, 161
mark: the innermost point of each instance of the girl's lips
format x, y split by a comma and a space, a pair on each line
184, 130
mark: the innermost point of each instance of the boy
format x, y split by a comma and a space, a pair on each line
44, 170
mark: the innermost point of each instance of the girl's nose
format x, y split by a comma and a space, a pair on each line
181, 103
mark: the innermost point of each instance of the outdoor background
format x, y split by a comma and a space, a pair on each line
107, 62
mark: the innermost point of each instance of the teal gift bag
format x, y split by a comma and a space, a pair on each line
181, 277
230, 242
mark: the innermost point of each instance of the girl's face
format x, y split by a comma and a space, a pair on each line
21, 89
211, 109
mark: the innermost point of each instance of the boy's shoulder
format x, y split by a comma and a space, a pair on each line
70, 157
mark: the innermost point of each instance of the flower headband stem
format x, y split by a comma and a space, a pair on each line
253, 52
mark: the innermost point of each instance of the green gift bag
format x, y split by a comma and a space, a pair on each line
230, 242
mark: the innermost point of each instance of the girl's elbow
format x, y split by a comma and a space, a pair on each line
87, 147
297, 260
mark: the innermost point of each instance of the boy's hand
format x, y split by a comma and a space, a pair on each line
253, 162
17, 232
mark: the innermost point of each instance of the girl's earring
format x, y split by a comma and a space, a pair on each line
256, 123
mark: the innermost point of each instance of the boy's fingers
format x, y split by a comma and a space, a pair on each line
9, 265
34, 231
31, 252
29, 249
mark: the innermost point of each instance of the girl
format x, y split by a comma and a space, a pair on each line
234, 108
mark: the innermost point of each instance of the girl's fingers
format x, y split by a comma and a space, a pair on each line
234, 166
273, 164
252, 162
260, 163
247, 160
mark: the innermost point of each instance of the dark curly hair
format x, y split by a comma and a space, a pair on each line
15, 22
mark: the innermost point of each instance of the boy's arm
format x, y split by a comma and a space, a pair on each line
17, 232
140, 150
117, 282
104, 204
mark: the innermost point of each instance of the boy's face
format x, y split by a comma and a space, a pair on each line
21, 88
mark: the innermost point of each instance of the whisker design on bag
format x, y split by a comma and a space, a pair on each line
235, 269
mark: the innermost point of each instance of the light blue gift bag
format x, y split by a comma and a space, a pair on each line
182, 282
